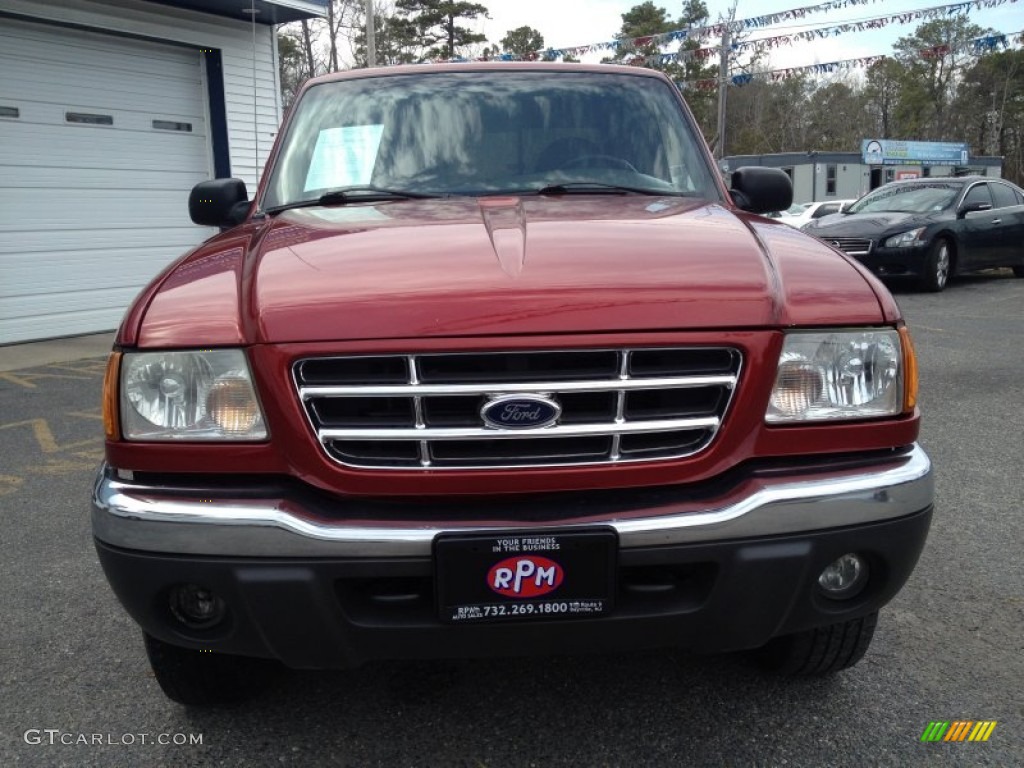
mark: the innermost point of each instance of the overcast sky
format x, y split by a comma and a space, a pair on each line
568, 23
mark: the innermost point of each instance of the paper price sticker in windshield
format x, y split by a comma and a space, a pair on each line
344, 157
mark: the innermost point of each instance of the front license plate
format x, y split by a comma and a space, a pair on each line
525, 575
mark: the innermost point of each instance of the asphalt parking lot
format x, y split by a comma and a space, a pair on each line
77, 691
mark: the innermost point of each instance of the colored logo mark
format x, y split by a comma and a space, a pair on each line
959, 730
525, 576
520, 412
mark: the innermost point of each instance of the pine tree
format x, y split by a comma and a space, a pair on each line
436, 23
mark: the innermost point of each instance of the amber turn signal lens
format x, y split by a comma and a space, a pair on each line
111, 422
909, 371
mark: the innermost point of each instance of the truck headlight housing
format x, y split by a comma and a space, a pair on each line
195, 395
826, 376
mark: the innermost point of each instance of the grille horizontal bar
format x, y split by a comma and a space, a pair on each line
610, 385
851, 245
426, 411
427, 433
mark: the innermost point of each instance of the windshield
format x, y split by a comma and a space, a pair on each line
908, 198
477, 133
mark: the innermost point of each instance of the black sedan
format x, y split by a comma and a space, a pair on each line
930, 229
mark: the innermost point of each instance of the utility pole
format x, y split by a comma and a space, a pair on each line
371, 43
723, 88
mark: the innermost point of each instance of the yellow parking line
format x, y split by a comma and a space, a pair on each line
44, 436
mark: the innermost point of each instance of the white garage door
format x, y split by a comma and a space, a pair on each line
101, 139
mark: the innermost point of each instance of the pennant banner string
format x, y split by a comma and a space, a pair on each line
979, 45
716, 30
702, 33
767, 43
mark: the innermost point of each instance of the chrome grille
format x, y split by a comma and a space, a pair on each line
424, 411
855, 246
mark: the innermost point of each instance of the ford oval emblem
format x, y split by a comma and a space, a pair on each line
520, 412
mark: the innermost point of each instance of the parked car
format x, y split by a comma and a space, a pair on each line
788, 215
815, 211
930, 229
493, 363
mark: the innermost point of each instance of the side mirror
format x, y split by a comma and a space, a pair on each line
219, 203
973, 208
761, 190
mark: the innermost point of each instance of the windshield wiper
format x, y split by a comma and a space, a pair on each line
598, 188
367, 194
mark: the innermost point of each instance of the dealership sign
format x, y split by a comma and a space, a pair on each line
887, 152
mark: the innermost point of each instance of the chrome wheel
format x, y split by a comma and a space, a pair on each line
938, 266
942, 265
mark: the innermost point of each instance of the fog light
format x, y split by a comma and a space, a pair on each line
844, 578
196, 607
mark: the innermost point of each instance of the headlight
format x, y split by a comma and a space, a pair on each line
840, 375
189, 396
906, 239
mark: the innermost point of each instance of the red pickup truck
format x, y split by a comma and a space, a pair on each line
494, 363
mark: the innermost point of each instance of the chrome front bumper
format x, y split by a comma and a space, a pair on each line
212, 521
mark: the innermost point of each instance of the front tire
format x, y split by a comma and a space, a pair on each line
938, 266
820, 651
207, 679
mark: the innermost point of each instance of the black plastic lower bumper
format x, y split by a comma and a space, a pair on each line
897, 263
318, 613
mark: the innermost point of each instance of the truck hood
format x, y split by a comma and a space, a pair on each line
502, 266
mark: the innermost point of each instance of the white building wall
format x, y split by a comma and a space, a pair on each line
849, 181
233, 38
803, 183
